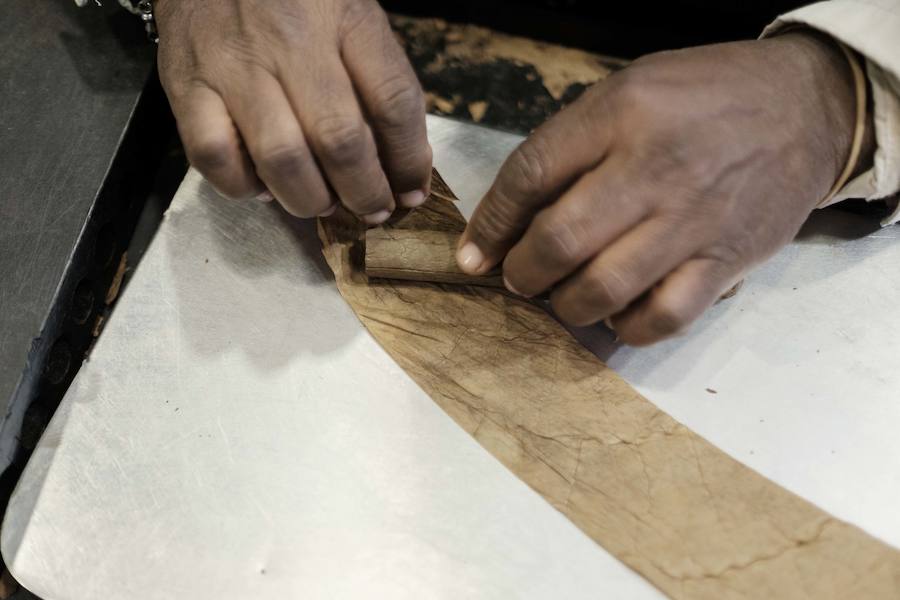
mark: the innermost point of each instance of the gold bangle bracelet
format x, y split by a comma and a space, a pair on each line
859, 133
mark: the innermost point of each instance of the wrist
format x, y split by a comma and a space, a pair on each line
835, 86
161, 10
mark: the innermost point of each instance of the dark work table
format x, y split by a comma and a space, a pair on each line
77, 155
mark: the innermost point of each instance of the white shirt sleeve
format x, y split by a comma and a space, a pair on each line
872, 28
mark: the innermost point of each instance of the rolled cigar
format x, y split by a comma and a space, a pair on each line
417, 255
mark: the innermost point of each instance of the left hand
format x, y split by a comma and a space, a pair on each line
654, 193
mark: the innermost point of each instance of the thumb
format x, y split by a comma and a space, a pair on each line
533, 176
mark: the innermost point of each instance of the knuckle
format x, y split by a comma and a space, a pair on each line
281, 160
211, 154
496, 220
170, 76
286, 29
607, 290
555, 241
572, 311
399, 100
358, 14
731, 255
527, 168
665, 320
522, 177
629, 90
341, 139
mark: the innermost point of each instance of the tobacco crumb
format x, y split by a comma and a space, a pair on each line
118, 278
477, 110
732, 292
98, 326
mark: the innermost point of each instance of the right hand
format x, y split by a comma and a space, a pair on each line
312, 101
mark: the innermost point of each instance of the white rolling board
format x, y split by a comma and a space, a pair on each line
238, 434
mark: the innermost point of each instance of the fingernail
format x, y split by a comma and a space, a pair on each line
377, 218
609, 324
266, 196
470, 258
411, 199
329, 211
510, 287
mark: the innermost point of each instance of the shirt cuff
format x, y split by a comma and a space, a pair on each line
873, 30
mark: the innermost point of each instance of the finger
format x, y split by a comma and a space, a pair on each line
213, 145
599, 208
393, 101
534, 175
277, 146
329, 113
621, 273
676, 303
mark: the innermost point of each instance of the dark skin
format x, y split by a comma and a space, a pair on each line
313, 100
640, 204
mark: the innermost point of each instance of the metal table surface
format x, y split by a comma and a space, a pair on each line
72, 98
237, 433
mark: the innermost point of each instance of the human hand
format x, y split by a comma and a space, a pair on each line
655, 192
311, 100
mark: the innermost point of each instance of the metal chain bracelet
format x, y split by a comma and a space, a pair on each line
145, 9
142, 8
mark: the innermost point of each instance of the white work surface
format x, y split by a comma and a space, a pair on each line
238, 434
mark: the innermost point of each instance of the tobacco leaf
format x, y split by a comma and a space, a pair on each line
419, 255
688, 517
